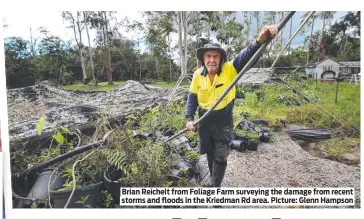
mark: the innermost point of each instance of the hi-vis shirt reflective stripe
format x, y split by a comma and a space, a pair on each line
207, 92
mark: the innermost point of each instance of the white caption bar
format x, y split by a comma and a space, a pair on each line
237, 196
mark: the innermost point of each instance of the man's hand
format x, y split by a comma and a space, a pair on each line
190, 126
267, 32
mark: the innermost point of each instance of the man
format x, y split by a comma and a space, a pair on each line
208, 85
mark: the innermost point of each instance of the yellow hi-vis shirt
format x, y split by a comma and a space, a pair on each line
208, 93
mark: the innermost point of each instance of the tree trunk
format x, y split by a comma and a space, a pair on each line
185, 40
248, 26
180, 41
32, 43
290, 35
282, 30
140, 69
309, 42
258, 22
90, 52
344, 49
170, 70
322, 35
170, 61
156, 68
108, 59
80, 46
83, 65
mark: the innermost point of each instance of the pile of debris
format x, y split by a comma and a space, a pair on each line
63, 108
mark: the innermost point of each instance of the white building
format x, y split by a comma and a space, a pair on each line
330, 69
326, 69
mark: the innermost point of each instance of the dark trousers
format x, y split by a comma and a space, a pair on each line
215, 135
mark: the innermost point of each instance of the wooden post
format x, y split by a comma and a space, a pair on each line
337, 88
316, 79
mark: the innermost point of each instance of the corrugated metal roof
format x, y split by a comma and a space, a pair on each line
255, 76
350, 64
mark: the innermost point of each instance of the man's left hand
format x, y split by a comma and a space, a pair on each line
267, 33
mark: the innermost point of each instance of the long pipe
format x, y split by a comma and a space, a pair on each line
69, 154
241, 73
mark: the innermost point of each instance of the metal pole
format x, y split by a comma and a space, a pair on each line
240, 74
337, 88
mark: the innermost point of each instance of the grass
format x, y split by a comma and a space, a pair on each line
102, 86
277, 103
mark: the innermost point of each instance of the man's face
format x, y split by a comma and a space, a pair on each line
211, 59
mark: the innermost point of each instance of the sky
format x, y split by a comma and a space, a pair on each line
19, 25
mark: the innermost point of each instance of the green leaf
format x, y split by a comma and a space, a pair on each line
40, 125
34, 205
59, 137
66, 130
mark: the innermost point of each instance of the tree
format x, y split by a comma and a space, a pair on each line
86, 18
77, 25
101, 22
326, 16
248, 22
229, 33
16, 63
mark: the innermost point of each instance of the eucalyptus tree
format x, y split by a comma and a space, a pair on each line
77, 23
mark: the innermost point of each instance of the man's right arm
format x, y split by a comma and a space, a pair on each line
192, 103
191, 106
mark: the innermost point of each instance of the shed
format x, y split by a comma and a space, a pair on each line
349, 68
326, 69
255, 76
310, 70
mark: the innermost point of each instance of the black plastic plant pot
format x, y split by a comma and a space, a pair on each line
92, 192
147, 135
184, 165
264, 137
241, 138
252, 146
175, 175
168, 132
34, 187
183, 139
39, 190
111, 177
21, 185
158, 134
137, 134
239, 145
175, 142
185, 142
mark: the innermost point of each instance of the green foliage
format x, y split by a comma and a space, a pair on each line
83, 201
172, 116
116, 158
336, 148
272, 108
59, 137
34, 205
193, 156
106, 200
253, 136
40, 125
102, 86
87, 172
